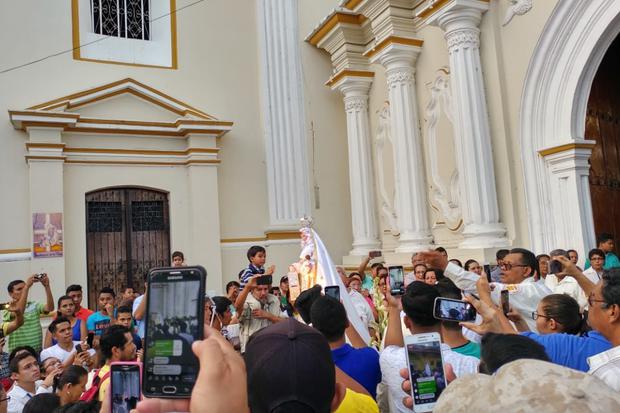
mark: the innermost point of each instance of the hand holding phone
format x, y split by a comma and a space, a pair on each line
125, 385
174, 320
333, 291
505, 301
449, 309
374, 254
426, 370
397, 279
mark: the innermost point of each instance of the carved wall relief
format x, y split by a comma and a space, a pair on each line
386, 197
444, 191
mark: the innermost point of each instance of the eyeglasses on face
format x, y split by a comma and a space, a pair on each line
592, 300
535, 316
508, 265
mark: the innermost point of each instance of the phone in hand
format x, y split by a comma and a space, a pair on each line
374, 254
487, 270
505, 301
397, 279
555, 267
333, 291
264, 280
174, 320
39, 276
450, 309
125, 385
426, 370
78, 348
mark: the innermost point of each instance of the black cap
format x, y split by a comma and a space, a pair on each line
290, 368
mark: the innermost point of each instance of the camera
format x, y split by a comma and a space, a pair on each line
39, 276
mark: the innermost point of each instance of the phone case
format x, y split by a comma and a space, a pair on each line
124, 363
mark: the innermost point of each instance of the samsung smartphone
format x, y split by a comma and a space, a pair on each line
426, 372
125, 385
397, 279
505, 301
450, 309
333, 291
174, 320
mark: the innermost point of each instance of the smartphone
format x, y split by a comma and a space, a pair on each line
333, 291
90, 338
264, 280
174, 320
125, 383
555, 267
39, 276
505, 301
487, 271
78, 348
450, 309
209, 302
426, 370
397, 279
374, 254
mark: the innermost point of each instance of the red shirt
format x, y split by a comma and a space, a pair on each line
83, 313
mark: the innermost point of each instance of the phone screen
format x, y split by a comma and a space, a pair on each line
175, 316
426, 370
333, 291
504, 297
454, 310
125, 384
397, 280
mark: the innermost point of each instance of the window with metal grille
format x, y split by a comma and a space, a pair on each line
104, 216
147, 216
121, 18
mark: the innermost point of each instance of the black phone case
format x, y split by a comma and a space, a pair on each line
201, 300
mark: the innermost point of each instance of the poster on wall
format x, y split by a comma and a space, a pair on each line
47, 234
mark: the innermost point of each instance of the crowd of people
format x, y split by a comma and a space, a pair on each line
266, 352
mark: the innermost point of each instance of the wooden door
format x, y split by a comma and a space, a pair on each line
127, 233
603, 126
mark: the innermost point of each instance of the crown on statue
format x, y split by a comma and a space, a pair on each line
306, 222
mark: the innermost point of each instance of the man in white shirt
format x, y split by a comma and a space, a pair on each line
518, 270
65, 348
604, 316
561, 283
417, 302
597, 261
25, 372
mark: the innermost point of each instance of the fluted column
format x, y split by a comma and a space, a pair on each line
410, 181
361, 184
482, 226
288, 182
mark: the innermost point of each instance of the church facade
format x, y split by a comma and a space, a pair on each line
134, 128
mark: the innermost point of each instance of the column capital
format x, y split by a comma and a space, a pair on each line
397, 56
351, 85
459, 15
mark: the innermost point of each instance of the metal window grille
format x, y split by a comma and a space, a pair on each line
104, 216
129, 19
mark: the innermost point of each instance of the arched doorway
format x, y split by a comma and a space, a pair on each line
127, 233
603, 126
554, 149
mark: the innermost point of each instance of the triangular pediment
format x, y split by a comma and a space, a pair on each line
125, 106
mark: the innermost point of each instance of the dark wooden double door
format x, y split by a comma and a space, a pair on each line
127, 233
603, 126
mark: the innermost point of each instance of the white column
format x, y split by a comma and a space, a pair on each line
283, 115
361, 184
569, 172
410, 181
482, 226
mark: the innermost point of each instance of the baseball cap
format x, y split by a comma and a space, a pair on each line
529, 385
290, 369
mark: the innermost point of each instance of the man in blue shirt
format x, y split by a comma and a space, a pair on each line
606, 243
569, 350
362, 363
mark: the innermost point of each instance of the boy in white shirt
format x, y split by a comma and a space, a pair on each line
26, 374
65, 348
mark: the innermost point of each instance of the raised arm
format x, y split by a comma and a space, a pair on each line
464, 280
394, 330
138, 312
243, 295
49, 299
362, 268
16, 322
571, 269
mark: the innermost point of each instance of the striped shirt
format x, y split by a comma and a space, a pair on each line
249, 273
29, 334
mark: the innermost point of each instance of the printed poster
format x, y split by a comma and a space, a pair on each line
47, 234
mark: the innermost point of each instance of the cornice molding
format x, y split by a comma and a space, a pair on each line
392, 40
572, 146
331, 21
335, 79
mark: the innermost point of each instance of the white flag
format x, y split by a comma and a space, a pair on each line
327, 274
